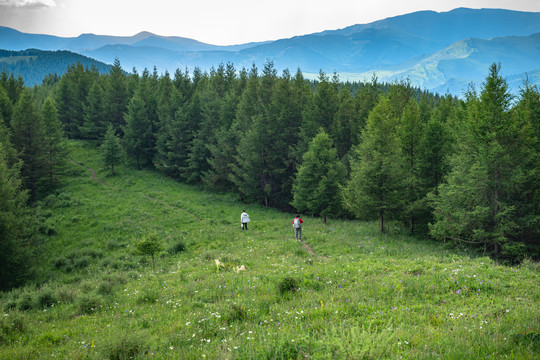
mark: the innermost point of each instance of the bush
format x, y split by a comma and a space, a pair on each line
287, 285
105, 288
82, 262
125, 346
25, 302
177, 248
66, 295
11, 326
237, 313
45, 298
88, 304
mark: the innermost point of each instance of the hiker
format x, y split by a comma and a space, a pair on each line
297, 225
244, 219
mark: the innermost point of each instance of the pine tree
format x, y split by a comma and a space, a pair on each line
111, 150
13, 86
6, 107
13, 219
95, 115
138, 130
482, 201
375, 187
325, 103
72, 97
410, 131
55, 148
316, 188
29, 140
346, 123
116, 96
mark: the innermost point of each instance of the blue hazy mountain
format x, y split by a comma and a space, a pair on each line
11, 39
458, 24
465, 61
437, 51
34, 65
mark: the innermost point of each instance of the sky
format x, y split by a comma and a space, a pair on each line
218, 22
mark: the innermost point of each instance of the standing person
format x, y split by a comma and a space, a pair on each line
244, 219
297, 225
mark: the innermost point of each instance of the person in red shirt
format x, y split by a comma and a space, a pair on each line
297, 225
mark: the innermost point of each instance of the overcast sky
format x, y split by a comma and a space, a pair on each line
219, 22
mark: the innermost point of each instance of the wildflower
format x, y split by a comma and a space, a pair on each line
241, 268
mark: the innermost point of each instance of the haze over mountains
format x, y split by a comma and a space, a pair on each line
440, 52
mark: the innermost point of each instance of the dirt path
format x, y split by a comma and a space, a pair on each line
91, 172
311, 252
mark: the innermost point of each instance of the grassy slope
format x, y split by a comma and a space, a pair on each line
360, 295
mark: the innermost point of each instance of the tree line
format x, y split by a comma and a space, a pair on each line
465, 171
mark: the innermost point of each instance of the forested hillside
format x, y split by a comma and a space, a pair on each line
456, 171
34, 65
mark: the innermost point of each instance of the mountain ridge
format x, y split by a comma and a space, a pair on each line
399, 45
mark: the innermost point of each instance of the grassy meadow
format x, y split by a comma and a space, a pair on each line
345, 292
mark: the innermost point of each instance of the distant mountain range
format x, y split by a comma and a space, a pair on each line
440, 52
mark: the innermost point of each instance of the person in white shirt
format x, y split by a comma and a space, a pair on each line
244, 219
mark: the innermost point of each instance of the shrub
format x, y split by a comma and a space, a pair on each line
125, 346
237, 313
25, 302
177, 248
287, 285
45, 298
88, 304
11, 326
82, 262
105, 288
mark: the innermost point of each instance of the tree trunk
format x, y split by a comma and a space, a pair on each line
381, 220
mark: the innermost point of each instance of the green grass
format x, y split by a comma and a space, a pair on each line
359, 295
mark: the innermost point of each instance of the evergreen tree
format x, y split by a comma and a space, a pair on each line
55, 148
346, 123
285, 114
95, 115
6, 107
434, 150
410, 131
13, 220
244, 174
303, 129
112, 151
13, 86
325, 104
208, 97
30, 142
375, 187
482, 202
72, 97
258, 165
116, 96
366, 98
138, 136
171, 142
317, 185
